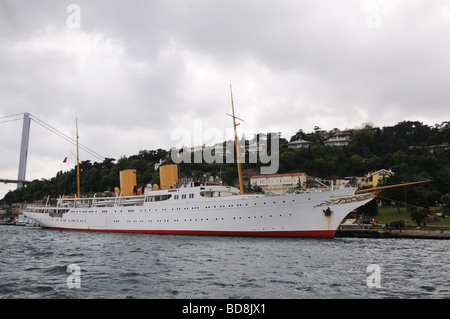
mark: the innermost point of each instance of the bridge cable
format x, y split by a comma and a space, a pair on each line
67, 138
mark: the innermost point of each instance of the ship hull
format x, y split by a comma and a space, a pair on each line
297, 215
309, 234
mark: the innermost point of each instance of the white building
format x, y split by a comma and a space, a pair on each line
299, 144
339, 139
279, 183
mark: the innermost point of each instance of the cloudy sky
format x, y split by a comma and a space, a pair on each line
134, 71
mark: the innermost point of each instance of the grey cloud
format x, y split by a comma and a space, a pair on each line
138, 69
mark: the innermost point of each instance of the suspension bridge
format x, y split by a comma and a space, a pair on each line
25, 138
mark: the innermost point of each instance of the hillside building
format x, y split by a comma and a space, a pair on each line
279, 183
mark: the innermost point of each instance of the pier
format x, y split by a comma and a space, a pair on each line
352, 232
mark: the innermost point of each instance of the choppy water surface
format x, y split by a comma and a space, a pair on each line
34, 264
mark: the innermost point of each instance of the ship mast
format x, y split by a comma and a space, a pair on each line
78, 165
238, 157
374, 189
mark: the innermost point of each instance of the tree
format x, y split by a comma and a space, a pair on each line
300, 135
432, 197
369, 209
356, 163
419, 216
446, 208
401, 148
363, 141
397, 194
288, 161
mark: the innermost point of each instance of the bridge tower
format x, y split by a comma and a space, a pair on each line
24, 150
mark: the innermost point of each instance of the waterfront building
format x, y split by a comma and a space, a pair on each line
374, 178
279, 183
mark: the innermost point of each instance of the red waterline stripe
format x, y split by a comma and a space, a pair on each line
302, 233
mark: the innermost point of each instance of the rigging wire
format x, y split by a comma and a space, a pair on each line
66, 138
11, 120
4, 117
7, 119
403, 203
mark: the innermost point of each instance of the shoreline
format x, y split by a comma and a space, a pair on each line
352, 232
345, 231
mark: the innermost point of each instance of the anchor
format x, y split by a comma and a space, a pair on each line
327, 211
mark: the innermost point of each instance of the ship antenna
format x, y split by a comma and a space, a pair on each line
238, 157
78, 165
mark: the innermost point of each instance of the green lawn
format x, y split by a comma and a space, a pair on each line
389, 214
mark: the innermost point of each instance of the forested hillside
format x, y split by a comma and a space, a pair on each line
406, 148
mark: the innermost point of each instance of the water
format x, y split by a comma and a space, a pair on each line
33, 264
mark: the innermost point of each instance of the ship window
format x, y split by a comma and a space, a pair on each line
158, 198
206, 194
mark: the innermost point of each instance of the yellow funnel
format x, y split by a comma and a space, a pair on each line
128, 184
168, 175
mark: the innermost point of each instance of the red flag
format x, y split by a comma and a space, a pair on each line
65, 160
